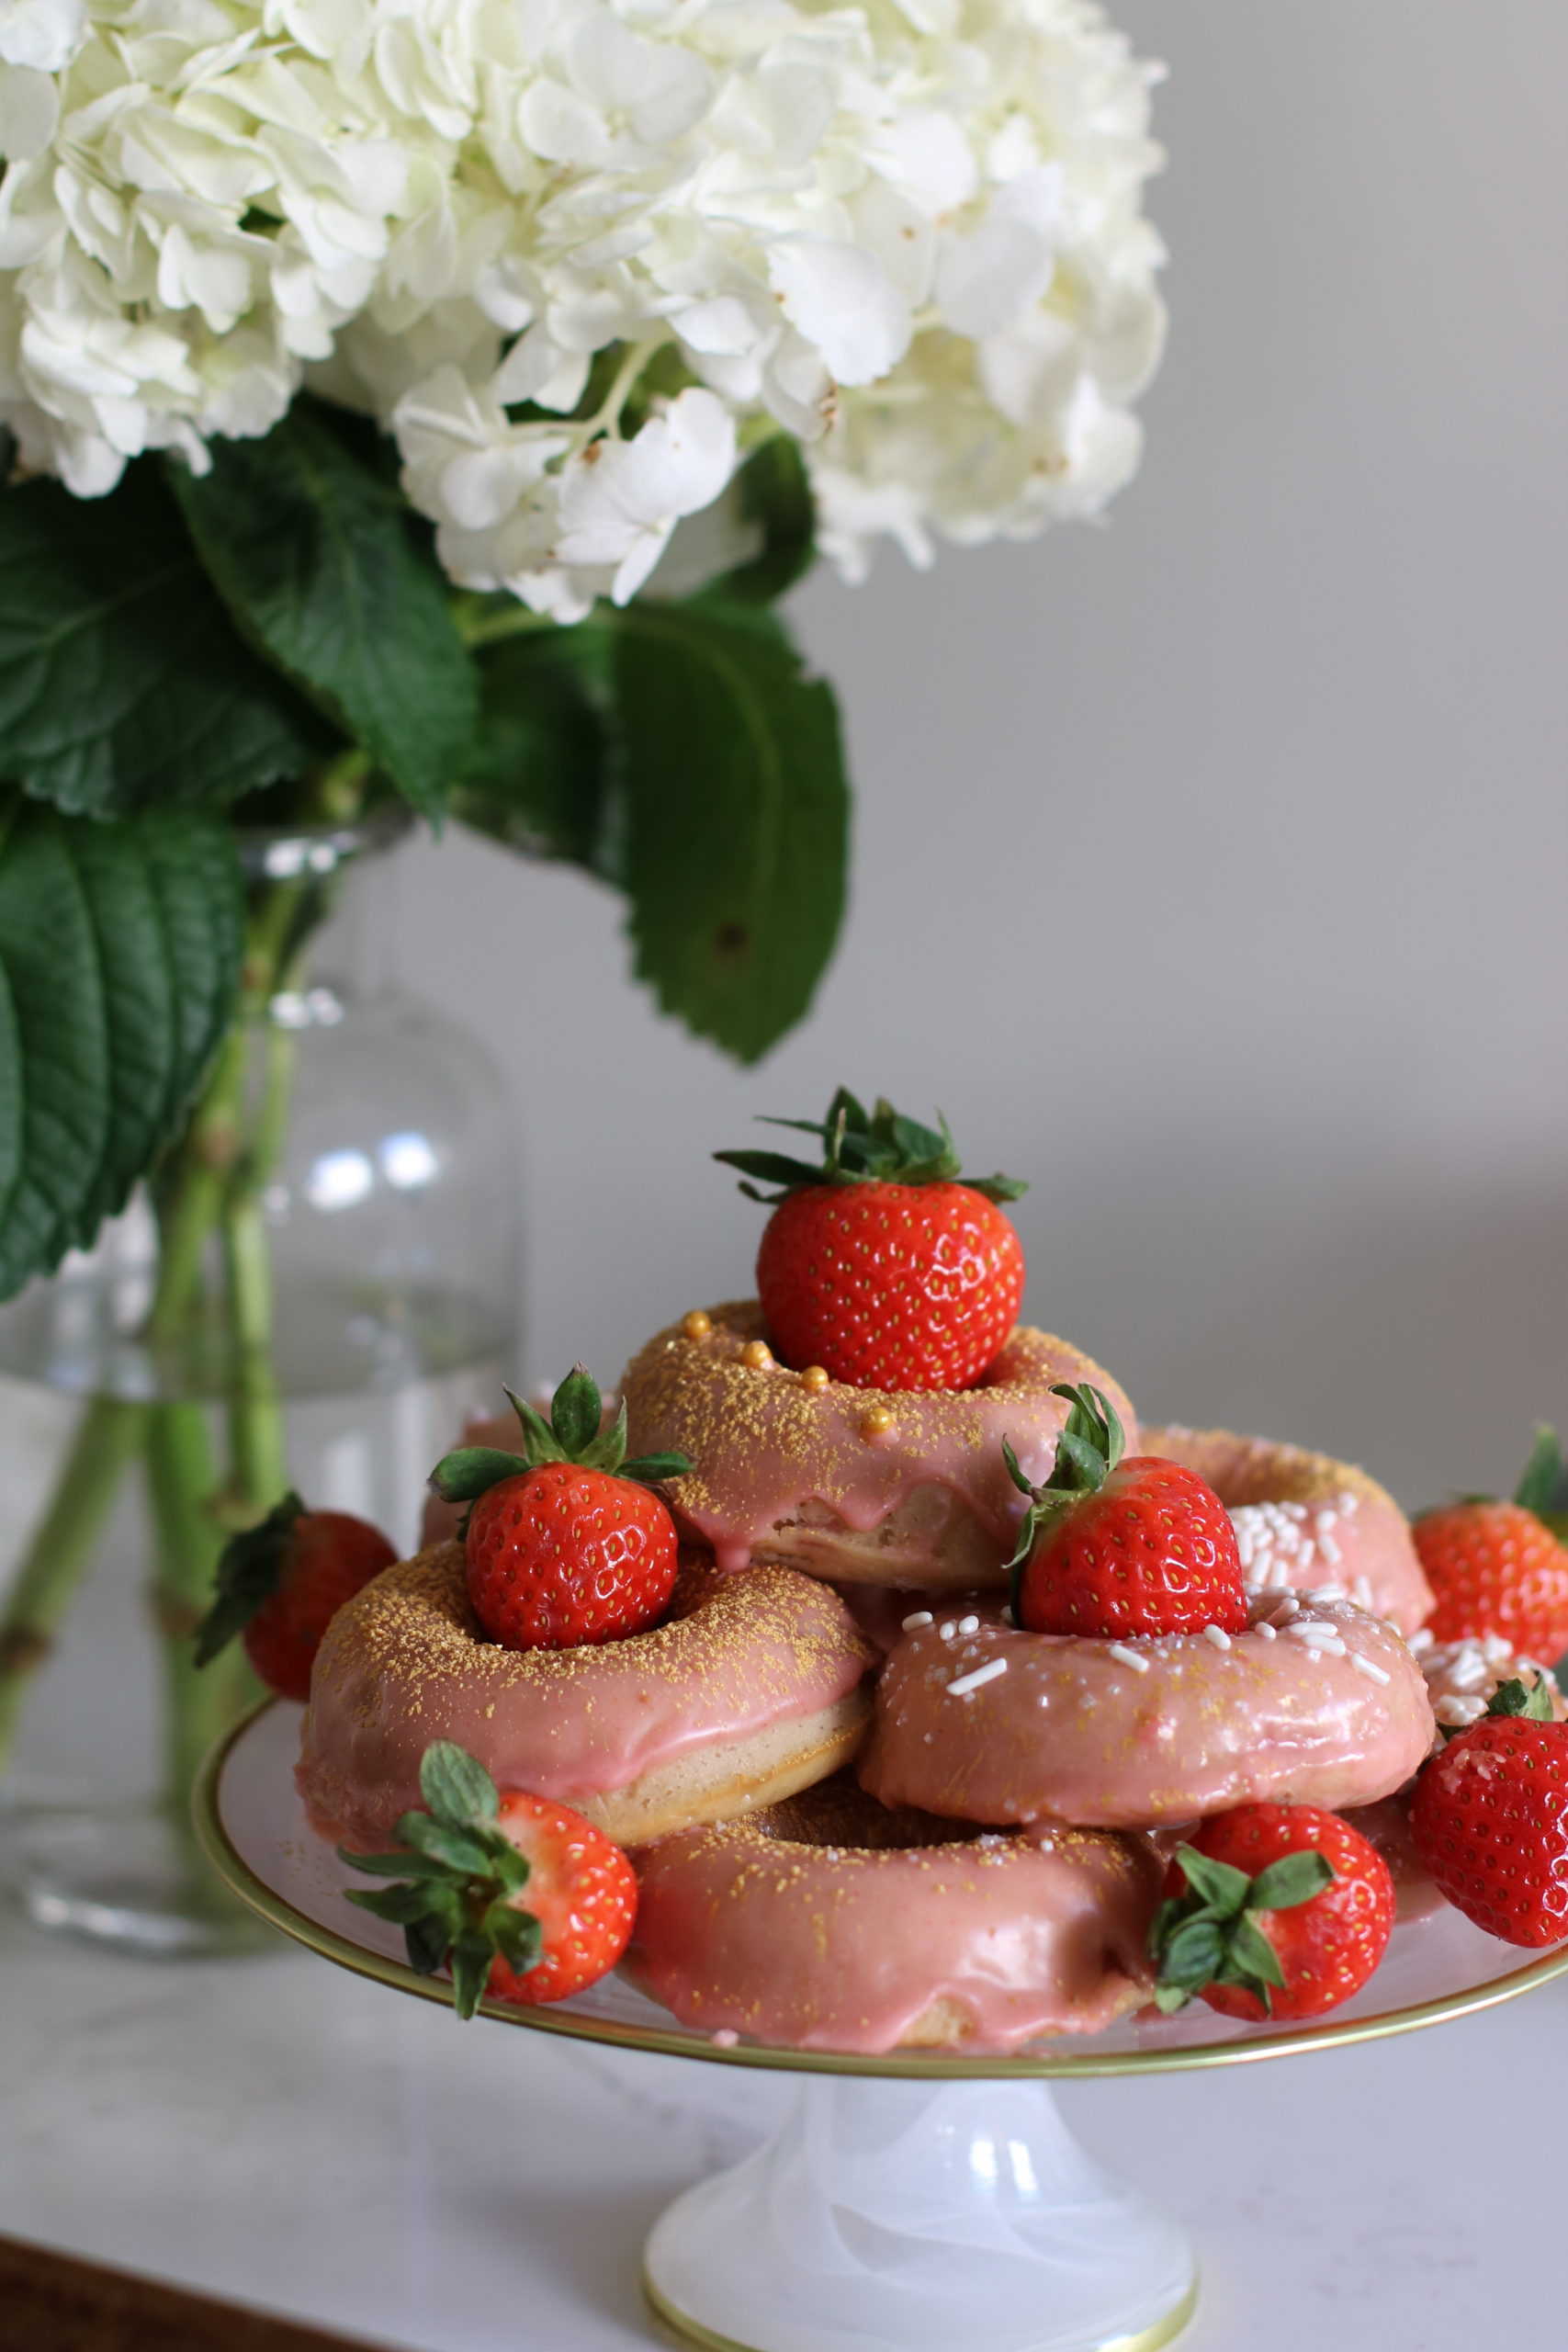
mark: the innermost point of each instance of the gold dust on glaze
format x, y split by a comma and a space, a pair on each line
697, 1391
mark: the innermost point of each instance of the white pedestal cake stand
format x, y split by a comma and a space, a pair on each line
926, 2202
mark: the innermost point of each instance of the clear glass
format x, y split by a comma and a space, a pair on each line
350, 1305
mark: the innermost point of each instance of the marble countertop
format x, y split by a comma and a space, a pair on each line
278, 2131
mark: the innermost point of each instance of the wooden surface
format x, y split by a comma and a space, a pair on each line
52, 2303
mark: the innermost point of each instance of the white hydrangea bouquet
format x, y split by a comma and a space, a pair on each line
431, 397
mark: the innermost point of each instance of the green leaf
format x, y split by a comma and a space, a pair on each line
249, 1568
1193, 1953
1294, 1878
1532, 1700
539, 775
473, 1952
647, 1467
1252, 1954
1543, 1474
321, 563
517, 1934
774, 493
429, 1940
122, 684
440, 1841
575, 1411
471, 1471
737, 814
120, 960
454, 1786
1218, 1883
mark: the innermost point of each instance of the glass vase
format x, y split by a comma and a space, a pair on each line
316, 1290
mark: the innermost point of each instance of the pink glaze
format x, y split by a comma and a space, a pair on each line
846, 1948
1305, 1521
1073, 1732
405, 1663
767, 1449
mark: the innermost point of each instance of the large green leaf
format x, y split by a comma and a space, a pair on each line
122, 684
774, 492
736, 817
542, 774
120, 963
321, 563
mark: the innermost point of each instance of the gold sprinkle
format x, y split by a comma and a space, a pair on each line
696, 1325
876, 1424
757, 1356
815, 1379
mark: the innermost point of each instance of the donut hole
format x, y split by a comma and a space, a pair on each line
838, 1812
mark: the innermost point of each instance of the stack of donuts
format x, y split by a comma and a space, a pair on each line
870, 1805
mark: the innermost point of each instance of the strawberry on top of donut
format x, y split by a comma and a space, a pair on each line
883, 1264
280, 1584
1499, 1567
575, 1548
1111, 1548
1272, 1910
465, 1863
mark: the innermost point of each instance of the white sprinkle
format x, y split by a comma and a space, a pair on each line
1458, 1710
725, 2039
1218, 1635
1266, 1629
948, 1631
1494, 1649
982, 1674
1364, 1666
1317, 1637
969, 1624
1323, 1524
1350, 1505
1305, 1555
1418, 1642
921, 1617
1130, 1657
1044, 1700
1329, 1549
1288, 1607
1327, 1592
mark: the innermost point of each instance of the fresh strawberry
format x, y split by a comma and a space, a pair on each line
466, 1864
883, 1264
1490, 1818
281, 1584
1110, 1547
1274, 1910
573, 1549
1499, 1567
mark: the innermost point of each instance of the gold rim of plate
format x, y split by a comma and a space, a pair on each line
933, 2065
685, 2330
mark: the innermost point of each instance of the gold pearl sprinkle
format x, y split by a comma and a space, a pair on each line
876, 1422
696, 1325
815, 1379
757, 1356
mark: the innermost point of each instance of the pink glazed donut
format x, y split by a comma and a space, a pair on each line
751, 1689
1319, 1704
1305, 1521
856, 1484
830, 1923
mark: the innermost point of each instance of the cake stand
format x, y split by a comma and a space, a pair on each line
926, 2202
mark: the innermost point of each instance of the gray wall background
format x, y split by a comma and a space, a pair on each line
1212, 864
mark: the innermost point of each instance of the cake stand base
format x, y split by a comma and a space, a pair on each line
888, 2216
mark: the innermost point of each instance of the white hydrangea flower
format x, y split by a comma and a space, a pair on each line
908, 233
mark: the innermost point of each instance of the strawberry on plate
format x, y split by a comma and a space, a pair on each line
575, 1548
1498, 1568
1111, 1548
1490, 1818
279, 1586
1272, 1910
881, 1263
519, 1895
